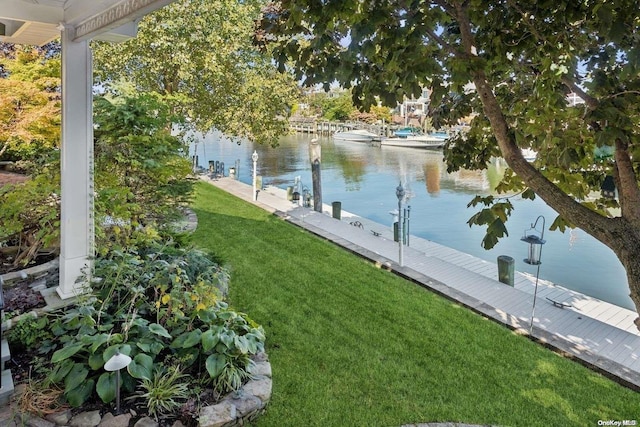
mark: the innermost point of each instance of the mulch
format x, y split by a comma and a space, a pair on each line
7, 178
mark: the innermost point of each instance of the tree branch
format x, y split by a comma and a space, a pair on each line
590, 221
591, 102
441, 42
446, 7
4, 147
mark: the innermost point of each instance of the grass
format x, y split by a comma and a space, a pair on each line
354, 345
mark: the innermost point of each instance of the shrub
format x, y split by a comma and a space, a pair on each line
154, 304
29, 332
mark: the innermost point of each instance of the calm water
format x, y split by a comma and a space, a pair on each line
364, 179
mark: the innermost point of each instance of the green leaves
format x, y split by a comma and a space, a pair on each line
76, 376
66, 352
215, 364
123, 319
199, 57
209, 340
77, 396
141, 366
494, 217
159, 330
106, 386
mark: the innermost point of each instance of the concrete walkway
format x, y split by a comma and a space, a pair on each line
599, 334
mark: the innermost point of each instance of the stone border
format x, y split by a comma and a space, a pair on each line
235, 409
245, 405
31, 271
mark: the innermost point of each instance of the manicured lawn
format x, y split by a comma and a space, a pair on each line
354, 345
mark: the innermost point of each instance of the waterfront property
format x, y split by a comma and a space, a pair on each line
364, 178
596, 332
352, 344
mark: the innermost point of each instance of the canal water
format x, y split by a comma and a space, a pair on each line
364, 179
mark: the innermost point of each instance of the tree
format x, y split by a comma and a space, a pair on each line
29, 103
142, 172
513, 64
338, 107
30, 137
199, 56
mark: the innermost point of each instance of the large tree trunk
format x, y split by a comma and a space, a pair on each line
621, 234
626, 245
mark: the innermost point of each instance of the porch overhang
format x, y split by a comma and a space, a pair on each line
37, 22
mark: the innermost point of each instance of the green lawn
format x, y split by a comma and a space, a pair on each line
354, 345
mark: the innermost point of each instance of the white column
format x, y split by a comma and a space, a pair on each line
76, 228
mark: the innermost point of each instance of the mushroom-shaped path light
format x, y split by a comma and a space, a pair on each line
115, 363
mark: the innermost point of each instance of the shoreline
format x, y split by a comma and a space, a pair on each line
598, 334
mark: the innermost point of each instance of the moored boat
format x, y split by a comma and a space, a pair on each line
357, 135
529, 154
417, 141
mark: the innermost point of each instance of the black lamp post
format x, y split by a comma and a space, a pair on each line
534, 238
400, 195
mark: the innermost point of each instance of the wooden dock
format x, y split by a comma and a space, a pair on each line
326, 128
600, 335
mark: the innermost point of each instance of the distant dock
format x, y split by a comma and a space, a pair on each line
327, 128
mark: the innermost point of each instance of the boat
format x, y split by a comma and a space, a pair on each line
357, 135
407, 131
529, 154
416, 141
414, 137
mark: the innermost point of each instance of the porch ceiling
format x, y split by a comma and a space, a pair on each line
36, 22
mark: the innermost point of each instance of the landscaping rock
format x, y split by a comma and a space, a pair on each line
38, 422
245, 404
86, 419
259, 387
60, 418
262, 369
217, 415
110, 420
260, 357
146, 422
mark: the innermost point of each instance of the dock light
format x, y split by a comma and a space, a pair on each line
535, 239
115, 363
400, 193
254, 157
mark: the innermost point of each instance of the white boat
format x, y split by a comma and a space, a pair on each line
529, 154
415, 141
358, 135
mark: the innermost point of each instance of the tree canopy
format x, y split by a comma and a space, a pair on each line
510, 64
199, 56
29, 103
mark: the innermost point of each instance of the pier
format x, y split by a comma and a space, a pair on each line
600, 335
326, 128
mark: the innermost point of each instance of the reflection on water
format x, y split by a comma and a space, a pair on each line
364, 179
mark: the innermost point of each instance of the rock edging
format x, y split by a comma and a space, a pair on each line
245, 405
236, 409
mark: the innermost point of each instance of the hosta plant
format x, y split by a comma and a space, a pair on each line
154, 304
